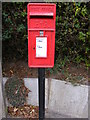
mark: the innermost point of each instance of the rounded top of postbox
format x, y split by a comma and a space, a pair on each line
41, 4
42, 7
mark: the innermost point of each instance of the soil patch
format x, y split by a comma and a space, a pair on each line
26, 111
71, 72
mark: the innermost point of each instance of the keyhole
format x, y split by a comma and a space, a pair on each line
34, 48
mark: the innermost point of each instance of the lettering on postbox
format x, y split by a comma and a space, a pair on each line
41, 34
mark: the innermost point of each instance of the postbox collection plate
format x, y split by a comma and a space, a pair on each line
41, 47
41, 34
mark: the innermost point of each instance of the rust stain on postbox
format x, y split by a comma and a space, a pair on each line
41, 34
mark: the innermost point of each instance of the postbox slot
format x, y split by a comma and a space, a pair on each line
41, 15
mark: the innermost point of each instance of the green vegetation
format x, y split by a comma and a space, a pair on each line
72, 32
14, 20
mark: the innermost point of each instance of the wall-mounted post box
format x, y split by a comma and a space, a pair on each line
41, 34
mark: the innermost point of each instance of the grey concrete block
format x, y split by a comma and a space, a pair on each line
68, 99
32, 84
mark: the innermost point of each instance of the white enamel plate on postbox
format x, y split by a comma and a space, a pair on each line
41, 46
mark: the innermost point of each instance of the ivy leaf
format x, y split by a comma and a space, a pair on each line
20, 28
82, 36
84, 11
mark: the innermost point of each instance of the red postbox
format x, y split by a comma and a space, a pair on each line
41, 34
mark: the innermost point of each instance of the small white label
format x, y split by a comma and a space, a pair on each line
41, 46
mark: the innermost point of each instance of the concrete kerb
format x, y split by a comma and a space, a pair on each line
60, 97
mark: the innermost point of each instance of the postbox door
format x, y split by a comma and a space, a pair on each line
46, 58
